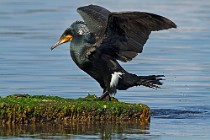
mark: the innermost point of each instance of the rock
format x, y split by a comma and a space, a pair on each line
27, 109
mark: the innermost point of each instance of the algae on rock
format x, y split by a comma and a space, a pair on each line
27, 109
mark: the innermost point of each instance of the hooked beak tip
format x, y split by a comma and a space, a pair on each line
63, 39
55, 45
51, 48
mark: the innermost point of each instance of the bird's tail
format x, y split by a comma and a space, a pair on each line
151, 81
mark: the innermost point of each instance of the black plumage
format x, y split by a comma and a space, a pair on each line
105, 37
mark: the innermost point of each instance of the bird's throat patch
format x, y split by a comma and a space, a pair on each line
67, 38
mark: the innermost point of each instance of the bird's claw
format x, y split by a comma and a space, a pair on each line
105, 97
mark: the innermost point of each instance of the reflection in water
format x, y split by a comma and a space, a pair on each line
103, 130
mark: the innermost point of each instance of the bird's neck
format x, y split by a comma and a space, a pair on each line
76, 50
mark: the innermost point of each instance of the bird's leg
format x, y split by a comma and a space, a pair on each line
105, 96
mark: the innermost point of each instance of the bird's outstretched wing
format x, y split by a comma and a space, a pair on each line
124, 33
127, 32
95, 17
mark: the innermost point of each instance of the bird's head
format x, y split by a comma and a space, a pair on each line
77, 29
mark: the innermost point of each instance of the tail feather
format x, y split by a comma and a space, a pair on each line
151, 81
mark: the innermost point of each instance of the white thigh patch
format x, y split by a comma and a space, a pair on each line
115, 79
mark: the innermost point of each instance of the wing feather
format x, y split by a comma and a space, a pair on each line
129, 31
122, 35
95, 17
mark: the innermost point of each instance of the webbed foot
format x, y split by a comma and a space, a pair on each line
105, 97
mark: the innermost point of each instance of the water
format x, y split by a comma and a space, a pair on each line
181, 109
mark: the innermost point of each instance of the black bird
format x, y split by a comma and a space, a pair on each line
105, 37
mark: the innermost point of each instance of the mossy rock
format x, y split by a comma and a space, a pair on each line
27, 109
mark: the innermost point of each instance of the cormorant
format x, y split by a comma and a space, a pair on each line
105, 37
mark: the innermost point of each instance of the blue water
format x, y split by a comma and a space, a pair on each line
181, 108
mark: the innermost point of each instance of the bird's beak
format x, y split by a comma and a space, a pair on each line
63, 39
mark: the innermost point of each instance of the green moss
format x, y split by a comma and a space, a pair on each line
23, 108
